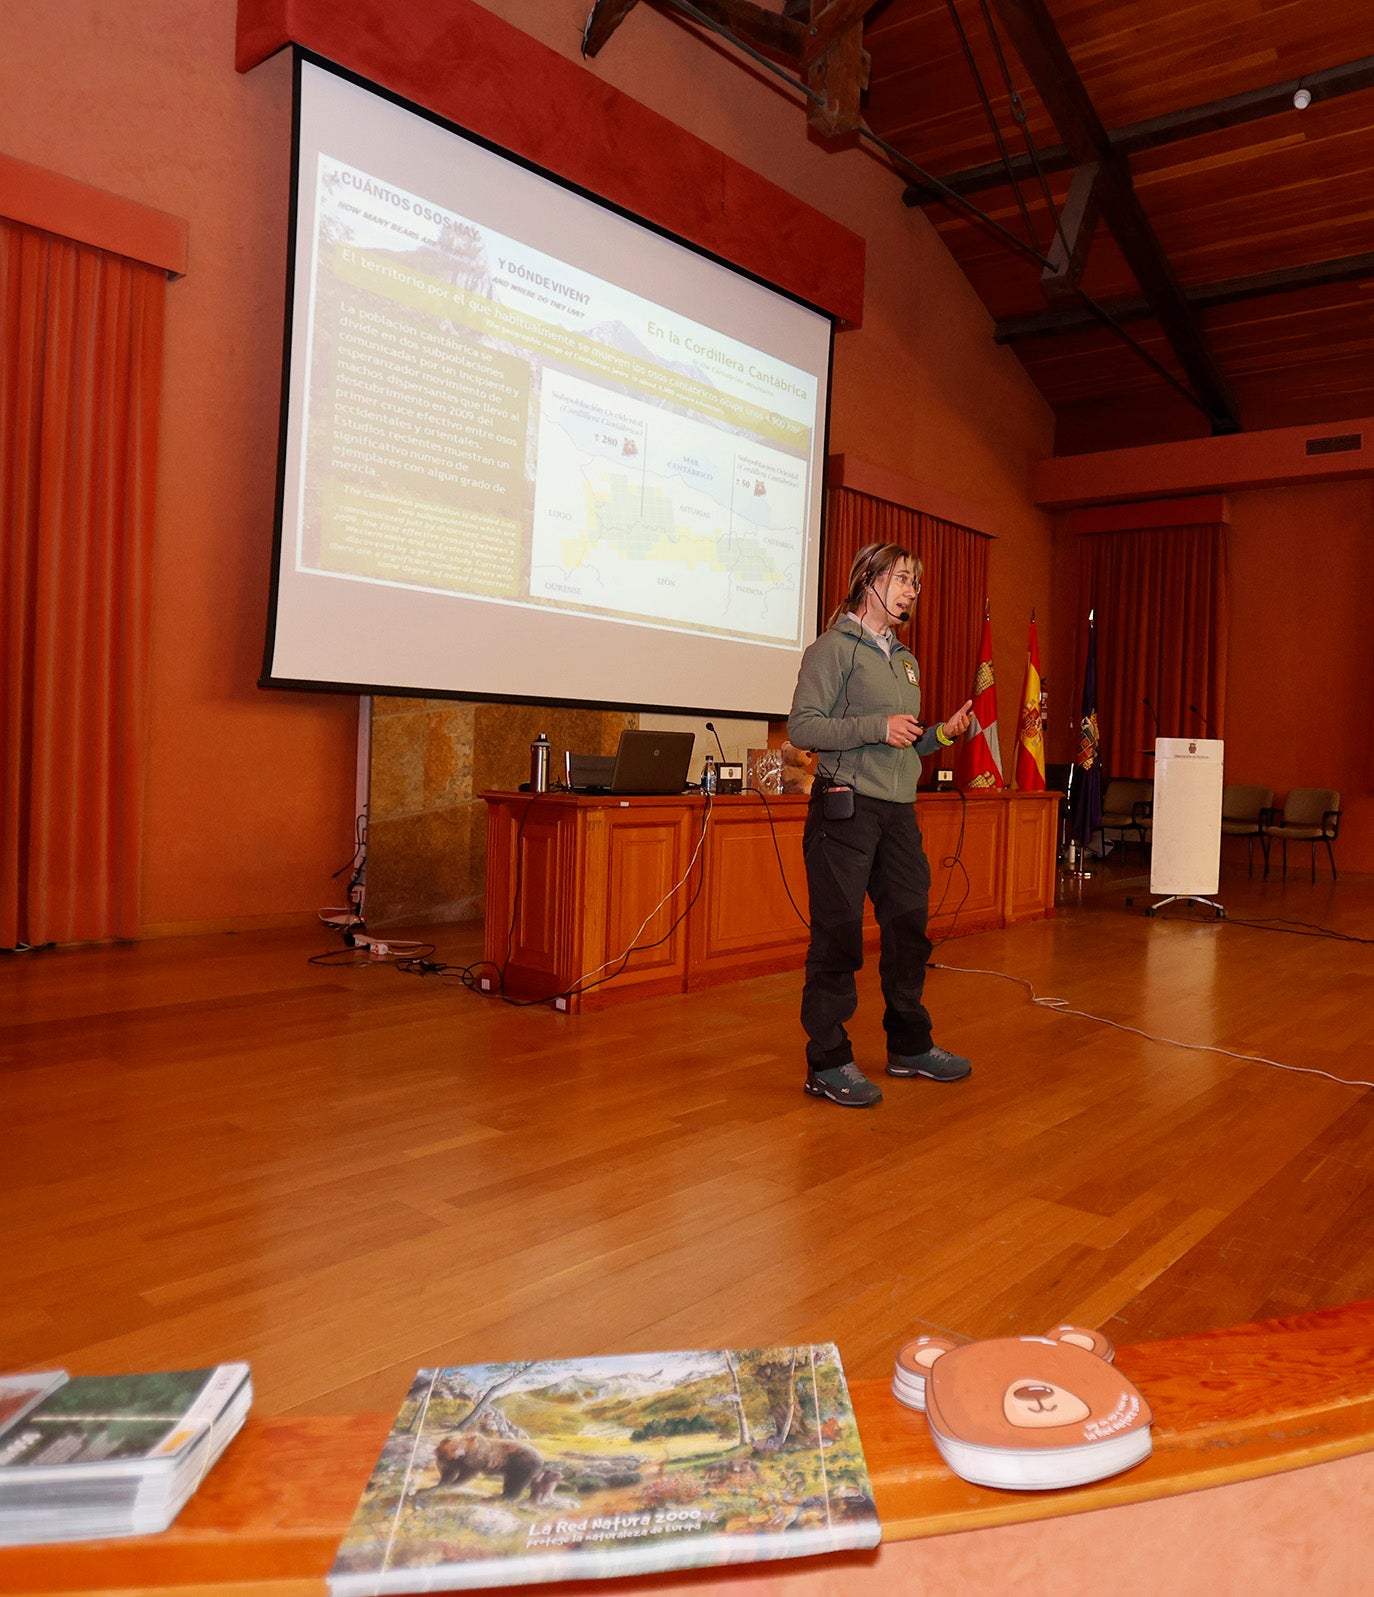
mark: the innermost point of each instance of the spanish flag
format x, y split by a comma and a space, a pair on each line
1030, 731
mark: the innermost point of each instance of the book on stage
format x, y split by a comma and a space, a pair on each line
501, 1474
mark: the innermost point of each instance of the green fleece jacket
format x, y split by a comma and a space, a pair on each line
846, 689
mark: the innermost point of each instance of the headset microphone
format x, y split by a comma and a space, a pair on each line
899, 616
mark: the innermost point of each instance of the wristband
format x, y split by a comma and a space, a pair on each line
945, 742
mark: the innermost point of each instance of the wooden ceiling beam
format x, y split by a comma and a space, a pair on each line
1073, 237
822, 42
832, 20
838, 77
771, 32
835, 65
602, 21
1056, 80
1284, 280
1174, 126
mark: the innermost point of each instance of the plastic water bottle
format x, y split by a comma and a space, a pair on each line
708, 775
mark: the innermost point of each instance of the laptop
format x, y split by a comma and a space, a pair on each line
648, 763
652, 762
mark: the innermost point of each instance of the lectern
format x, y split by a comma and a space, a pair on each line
1185, 860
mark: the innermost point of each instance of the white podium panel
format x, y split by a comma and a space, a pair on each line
1186, 834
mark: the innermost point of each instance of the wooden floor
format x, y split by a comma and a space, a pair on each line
215, 1150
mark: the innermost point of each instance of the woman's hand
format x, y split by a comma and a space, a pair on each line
957, 724
902, 731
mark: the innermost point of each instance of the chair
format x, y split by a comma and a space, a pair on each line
1241, 809
1128, 806
1310, 815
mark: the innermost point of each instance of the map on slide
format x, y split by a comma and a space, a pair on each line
679, 519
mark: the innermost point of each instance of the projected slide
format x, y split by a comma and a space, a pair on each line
486, 420
533, 448
667, 517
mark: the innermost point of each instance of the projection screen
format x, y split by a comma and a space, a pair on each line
532, 448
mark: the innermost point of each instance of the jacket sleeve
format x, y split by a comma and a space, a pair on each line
820, 691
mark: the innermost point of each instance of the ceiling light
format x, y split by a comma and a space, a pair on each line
1302, 99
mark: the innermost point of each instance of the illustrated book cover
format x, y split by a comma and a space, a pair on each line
502, 1474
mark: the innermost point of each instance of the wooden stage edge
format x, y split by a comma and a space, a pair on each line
1230, 1407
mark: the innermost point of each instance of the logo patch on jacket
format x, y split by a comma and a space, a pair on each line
910, 672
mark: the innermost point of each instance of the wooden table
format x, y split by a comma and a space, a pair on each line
575, 880
1230, 1407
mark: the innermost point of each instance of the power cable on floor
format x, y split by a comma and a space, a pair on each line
1061, 1006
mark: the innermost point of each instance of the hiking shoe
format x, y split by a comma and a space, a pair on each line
937, 1064
844, 1084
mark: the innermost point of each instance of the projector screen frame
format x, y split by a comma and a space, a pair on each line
269, 678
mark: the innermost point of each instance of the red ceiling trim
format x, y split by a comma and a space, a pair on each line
88, 215
880, 482
481, 73
1198, 510
1272, 459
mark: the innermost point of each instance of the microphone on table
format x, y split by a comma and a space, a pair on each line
1150, 707
1201, 717
734, 781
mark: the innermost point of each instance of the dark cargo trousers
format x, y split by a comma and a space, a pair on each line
876, 853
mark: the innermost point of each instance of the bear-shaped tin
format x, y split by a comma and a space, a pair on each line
1026, 1413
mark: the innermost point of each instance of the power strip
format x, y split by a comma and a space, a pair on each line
355, 933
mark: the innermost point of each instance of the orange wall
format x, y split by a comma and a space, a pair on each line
1299, 704
250, 794
1300, 648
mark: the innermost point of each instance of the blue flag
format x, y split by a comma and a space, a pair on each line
1087, 785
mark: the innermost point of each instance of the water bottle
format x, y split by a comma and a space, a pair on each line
708, 775
539, 764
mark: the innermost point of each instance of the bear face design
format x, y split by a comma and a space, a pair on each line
1035, 1405
1029, 1411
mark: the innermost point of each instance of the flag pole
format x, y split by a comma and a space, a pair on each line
1087, 798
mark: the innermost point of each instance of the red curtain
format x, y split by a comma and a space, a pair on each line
944, 633
1160, 597
80, 386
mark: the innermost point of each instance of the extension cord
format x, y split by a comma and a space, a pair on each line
1060, 1006
355, 934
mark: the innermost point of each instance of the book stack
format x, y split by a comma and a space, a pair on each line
110, 1455
1026, 1413
559, 1469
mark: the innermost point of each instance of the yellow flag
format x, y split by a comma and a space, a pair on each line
1030, 733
